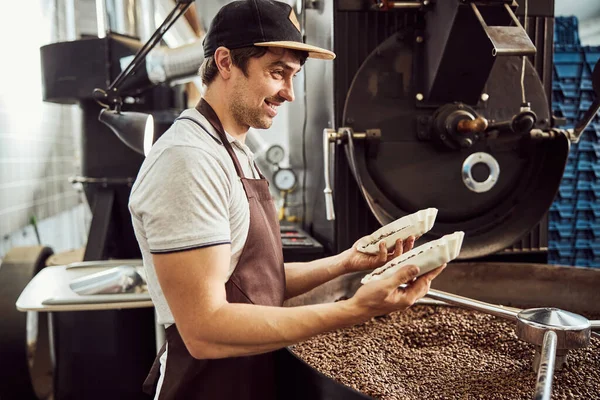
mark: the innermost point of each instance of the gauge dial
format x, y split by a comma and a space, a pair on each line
285, 179
275, 154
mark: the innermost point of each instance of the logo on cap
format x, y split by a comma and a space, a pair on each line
294, 20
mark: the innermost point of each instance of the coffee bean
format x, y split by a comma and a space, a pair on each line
438, 352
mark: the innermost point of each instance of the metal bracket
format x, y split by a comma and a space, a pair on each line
386, 5
330, 136
341, 135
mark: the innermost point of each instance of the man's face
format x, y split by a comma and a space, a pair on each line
255, 98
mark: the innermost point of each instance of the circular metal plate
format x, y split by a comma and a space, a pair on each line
471, 163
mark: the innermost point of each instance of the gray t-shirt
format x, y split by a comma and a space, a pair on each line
187, 195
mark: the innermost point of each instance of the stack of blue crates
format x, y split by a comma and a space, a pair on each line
574, 217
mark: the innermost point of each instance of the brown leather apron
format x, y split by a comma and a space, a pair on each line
258, 278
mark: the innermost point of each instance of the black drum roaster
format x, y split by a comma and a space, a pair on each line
450, 108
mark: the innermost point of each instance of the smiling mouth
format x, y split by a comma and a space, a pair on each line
272, 105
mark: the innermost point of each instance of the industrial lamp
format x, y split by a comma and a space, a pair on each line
135, 129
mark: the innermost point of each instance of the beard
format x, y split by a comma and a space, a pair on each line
246, 115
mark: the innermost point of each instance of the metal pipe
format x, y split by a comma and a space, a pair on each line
595, 324
543, 386
329, 209
404, 4
164, 64
509, 313
385, 5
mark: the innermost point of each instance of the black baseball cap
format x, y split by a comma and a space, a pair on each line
265, 23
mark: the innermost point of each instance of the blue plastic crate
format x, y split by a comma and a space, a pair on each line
558, 226
565, 248
566, 31
574, 217
563, 210
592, 55
585, 196
569, 173
595, 248
596, 189
566, 95
584, 205
564, 55
587, 165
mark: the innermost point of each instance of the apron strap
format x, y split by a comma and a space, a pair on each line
224, 142
149, 385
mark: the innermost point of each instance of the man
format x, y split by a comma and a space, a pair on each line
208, 230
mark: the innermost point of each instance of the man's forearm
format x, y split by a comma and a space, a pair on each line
244, 329
302, 277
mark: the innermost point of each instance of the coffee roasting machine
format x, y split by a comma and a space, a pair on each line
429, 103
447, 104
435, 107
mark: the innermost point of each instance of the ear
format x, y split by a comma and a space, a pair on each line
223, 62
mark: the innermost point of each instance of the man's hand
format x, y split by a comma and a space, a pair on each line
385, 296
353, 260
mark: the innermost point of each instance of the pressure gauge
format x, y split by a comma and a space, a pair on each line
284, 179
275, 154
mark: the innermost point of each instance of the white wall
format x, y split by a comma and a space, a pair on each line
39, 142
588, 14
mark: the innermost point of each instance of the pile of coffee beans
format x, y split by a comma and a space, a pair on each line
439, 352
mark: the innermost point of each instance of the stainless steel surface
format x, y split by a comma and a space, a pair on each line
467, 175
119, 16
106, 263
554, 318
497, 310
101, 181
543, 387
573, 330
319, 107
121, 279
595, 324
146, 20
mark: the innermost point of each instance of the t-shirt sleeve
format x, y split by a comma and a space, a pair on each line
183, 201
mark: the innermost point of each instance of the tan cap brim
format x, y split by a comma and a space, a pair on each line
313, 51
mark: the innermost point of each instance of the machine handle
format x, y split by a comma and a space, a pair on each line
574, 134
583, 124
478, 124
329, 208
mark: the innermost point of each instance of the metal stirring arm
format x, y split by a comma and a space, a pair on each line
575, 133
545, 376
509, 313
